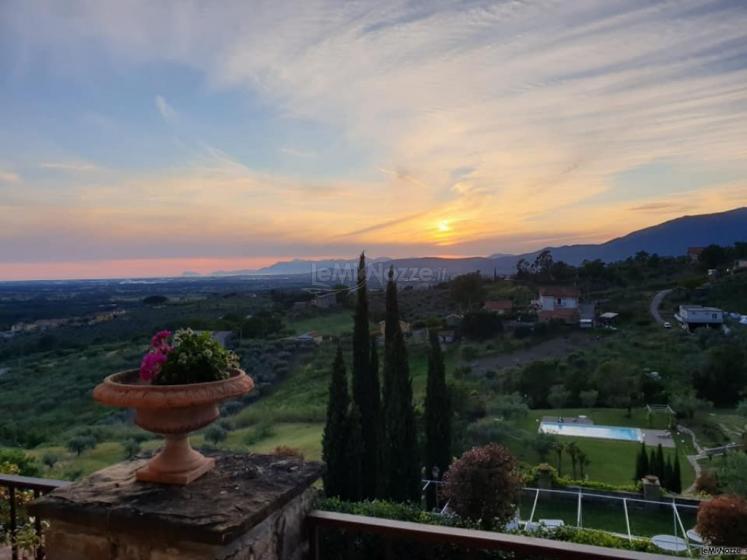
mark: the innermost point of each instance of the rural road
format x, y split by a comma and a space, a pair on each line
656, 303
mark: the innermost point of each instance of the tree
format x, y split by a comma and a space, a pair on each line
335, 430
49, 459
713, 256
131, 448
583, 462
78, 444
676, 475
667, 473
573, 451
688, 404
732, 474
543, 445
724, 377
437, 416
558, 396
722, 521
588, 398
661, 466
481, 325
483, 485
558, 447
467, 290
215, 434
642, 467
355, 456
365, 381
402, 468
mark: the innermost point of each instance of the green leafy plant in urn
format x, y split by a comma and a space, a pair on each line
177, 390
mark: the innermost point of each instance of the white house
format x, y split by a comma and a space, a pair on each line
698, 316
558, 302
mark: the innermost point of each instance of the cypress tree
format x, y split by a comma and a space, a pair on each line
668, 474
335, 430
379, 490
402, 473
652, 466
676, 475
641, 467
660, 464
366, 385
437, 417
354, 456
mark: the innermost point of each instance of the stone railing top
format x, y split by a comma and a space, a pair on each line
240, 492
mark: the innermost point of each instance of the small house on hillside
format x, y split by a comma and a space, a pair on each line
558, 302
694, 316
499, 306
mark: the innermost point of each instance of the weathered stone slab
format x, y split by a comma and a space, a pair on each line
250, 503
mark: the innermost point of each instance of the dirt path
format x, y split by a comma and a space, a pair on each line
692, 459
550, 349
656, 304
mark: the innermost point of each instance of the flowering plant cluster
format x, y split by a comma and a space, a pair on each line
186, 357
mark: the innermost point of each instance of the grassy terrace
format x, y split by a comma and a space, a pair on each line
607, 516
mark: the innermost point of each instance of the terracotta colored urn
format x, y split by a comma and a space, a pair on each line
172, 411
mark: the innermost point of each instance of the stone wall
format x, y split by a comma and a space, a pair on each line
279, 537
251, 507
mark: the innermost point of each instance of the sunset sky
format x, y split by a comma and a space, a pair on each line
150, 138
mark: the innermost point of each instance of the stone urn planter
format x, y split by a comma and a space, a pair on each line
172, 411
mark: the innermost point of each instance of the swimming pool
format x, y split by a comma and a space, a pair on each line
592, 431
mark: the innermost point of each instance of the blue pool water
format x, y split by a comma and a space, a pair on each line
592, 431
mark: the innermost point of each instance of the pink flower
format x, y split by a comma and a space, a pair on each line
160, 341
150, 367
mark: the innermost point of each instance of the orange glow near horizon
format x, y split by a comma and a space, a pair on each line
126, 268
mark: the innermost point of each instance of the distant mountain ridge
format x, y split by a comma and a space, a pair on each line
671, 238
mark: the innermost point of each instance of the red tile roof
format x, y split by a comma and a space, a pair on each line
499, 305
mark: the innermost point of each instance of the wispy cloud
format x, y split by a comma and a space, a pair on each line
506, 119
71, 166
166, 111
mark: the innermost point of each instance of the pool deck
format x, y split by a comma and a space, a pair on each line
567, 420
656, 437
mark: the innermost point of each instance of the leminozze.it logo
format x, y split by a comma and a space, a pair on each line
347, 274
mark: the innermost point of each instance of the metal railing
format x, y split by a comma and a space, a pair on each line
14, 487
469, 539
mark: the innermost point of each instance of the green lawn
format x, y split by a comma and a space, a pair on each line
612, 461
606, 516
332, 323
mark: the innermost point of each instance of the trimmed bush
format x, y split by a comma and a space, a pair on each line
483, 485
722, 521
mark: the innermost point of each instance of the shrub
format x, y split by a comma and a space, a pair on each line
483, 485
722, 521
49, 459
215, 434
131, 448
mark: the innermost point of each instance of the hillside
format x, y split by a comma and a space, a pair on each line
671, 238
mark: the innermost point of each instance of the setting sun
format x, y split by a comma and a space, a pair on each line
443, 226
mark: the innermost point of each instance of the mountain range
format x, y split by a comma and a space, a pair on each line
671, 238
